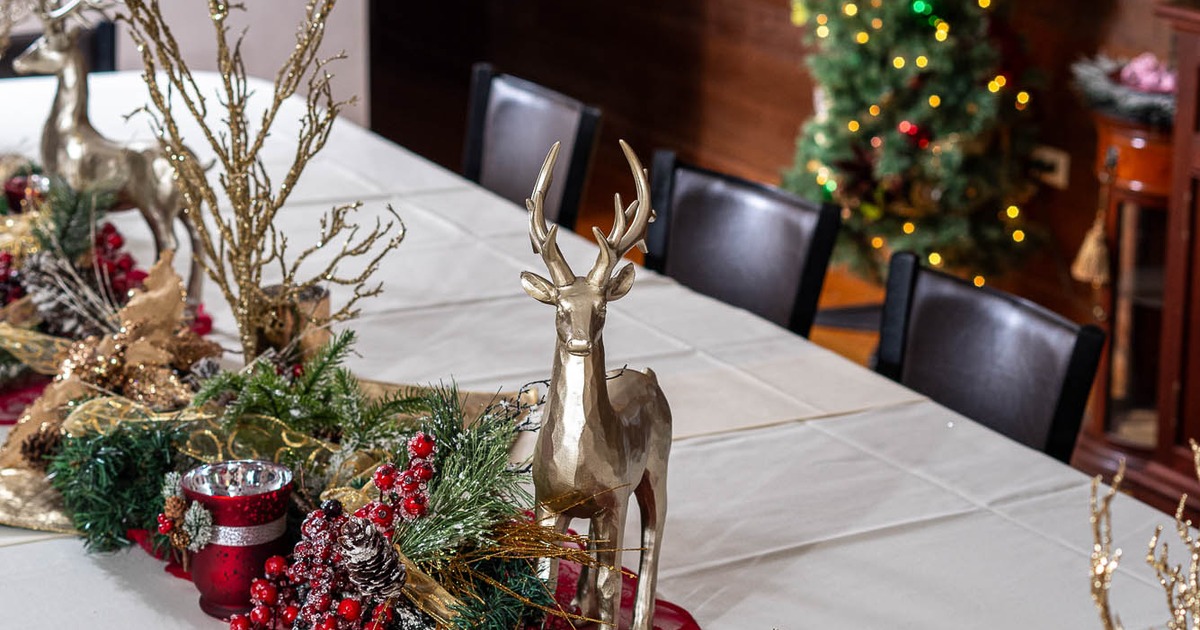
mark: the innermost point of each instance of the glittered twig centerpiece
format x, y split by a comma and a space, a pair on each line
236, 249
1180, 582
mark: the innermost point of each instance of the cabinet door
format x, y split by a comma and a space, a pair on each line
1179, 367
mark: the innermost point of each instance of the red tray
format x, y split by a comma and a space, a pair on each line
14, 400
667, 616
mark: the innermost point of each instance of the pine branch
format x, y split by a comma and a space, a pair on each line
474, 488
111, 482
318, 369
72, 216
325, 401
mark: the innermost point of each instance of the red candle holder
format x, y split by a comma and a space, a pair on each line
248, 501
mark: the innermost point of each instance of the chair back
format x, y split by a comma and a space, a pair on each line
744, 243
1002, 361
511, 123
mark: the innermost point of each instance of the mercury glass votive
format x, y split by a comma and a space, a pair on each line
248, 501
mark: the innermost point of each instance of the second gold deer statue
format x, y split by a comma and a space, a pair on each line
605, 436
74, 150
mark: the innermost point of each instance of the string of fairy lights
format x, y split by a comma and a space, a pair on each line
940, 32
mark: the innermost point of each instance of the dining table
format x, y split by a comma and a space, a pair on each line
804, 491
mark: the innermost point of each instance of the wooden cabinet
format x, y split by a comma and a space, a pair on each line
1157, 272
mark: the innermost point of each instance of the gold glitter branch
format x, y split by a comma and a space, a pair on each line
1180, 586
1104, 559
236, 248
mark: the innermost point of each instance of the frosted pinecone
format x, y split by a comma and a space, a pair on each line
44, 279
373, 565
408, 617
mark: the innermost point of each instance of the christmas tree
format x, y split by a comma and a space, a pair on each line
919, 134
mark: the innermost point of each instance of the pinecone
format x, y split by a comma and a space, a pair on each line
174, 507
179, 538
46, 281
373, 565
40, 446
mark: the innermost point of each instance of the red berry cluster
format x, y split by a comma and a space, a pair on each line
402, 493
18, 190
294, 371
117, 265
165, 524
314, 592
202, 322
10, 280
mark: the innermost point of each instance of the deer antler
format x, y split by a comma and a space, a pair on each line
50, 13
629, 224
543, 238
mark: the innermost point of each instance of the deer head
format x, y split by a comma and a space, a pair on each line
50, 52
581, 300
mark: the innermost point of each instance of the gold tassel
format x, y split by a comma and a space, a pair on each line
1091, 263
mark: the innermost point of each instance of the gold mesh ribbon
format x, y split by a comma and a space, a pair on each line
43, 353
209, 439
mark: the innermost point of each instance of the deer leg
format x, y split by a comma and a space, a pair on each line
606, 529
585, 585
548, 567
651, 496
161, 241
196, 274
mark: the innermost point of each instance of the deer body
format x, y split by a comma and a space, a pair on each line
605, 437
71, 147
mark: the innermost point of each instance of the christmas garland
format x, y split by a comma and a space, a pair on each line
110, 482
441, 505
1098, 80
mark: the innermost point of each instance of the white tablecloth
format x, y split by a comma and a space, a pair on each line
805, 491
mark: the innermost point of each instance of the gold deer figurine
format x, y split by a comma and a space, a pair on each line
604, 436
74, 150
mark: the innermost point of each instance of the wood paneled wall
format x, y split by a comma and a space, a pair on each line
723, 83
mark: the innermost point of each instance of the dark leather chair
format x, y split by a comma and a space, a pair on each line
744, 243
511, 125
1002, 361
99, 45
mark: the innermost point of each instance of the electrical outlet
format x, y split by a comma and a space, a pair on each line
1051, 165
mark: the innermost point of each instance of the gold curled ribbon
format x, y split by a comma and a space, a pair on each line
43, 353
209, 439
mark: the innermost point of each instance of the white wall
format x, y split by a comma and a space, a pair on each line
271, 36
